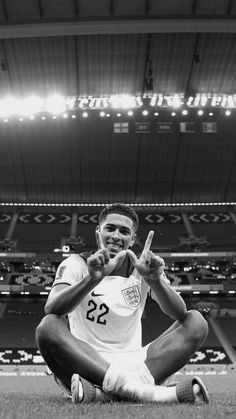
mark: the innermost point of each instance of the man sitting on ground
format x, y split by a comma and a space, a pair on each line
100, 357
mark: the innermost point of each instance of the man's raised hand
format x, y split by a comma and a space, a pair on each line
100, 264
150, 266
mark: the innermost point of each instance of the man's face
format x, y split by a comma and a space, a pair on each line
117, 232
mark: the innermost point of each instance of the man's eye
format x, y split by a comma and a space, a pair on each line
110, 228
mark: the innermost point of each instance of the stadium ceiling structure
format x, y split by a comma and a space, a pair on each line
176, 60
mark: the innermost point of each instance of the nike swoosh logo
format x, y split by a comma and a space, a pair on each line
95, 294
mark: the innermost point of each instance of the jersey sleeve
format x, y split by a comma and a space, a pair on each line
69, 272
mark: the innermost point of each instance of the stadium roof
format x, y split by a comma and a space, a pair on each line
88, 48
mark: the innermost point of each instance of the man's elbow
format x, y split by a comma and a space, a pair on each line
182, 314
48, 309
179, 314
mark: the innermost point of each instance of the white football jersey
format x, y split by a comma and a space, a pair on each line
109, 317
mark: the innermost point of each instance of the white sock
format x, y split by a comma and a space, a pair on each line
148, 392
114, 379
137, 384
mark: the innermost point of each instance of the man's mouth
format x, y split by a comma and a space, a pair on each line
114, 247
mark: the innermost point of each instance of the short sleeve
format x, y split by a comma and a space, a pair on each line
70, 271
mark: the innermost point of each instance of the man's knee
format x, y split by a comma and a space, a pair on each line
197, 327
45, 330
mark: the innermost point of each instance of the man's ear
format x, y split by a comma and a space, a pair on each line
98, 228
133, 240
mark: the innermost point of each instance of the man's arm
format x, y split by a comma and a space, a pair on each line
64, 298
151, 267
168, 299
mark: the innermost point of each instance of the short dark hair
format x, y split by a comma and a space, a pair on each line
122, 209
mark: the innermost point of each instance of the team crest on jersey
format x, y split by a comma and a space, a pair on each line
131, 296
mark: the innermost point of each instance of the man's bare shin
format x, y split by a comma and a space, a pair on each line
172, 350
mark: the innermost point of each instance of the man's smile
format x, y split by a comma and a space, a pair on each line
114, 246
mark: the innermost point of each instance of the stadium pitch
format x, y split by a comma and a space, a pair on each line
39, 398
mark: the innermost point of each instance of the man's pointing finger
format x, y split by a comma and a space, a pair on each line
99, 240
148, 242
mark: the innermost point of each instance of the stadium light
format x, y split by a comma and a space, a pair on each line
8, 107
59, 105
55, 104
122, 101
176, 101
143, 204
30, 106
231, 101
203, 100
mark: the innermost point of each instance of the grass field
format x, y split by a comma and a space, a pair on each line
39, 397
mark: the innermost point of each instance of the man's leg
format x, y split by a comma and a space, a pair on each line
165, 355
66, 355
172, 350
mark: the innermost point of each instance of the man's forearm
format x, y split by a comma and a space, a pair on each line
169, 300
67, 300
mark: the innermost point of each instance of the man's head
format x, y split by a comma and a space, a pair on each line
118, 224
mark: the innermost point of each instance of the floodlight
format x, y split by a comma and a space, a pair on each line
55, 104
176, 102
30, 105
8, 106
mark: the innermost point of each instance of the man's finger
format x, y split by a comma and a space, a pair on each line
120, 256
102, 258
105, 253
148, 242
132, 257
99, 239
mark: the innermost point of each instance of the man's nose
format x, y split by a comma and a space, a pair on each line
116, 234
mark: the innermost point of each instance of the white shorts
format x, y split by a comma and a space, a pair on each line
126, 358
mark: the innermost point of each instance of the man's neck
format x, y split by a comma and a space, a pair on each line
124, 270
